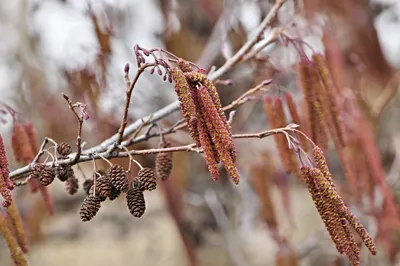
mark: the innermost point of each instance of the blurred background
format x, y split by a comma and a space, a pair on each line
80, 47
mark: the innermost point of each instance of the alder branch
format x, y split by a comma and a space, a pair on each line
21, 172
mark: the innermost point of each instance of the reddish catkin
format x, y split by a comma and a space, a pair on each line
352, 250
32, 136
210, 154
296, 119
276, 117
188, 108
373, 157
328, 189
11, 242
310, 83
220, 139
24, 148
5, 192
212, 90
330, 90
350, 159
5, 171
326, 210
47, 198
262, 187
16, 221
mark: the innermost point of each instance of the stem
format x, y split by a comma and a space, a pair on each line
80, 123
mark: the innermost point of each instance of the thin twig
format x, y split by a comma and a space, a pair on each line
128, 94
80, 121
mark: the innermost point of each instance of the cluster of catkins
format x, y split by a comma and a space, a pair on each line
320, 93
274, 110
337, 217
201, 108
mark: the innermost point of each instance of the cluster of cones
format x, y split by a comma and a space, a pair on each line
111, 184
45, 175
201, 107
115, 181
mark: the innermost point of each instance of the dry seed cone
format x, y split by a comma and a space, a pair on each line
72, 185
87, 185
47, 176
103, 187
118, 178
89, 208
114, 193
64, 149
63, 172
164, 163
146, 180
135, 201
37, 170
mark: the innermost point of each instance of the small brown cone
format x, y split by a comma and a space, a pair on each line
63, 172
146, 180
103, 187
87, 185
135, 201
72, 185
37, 170
47, 176
164, 163
89, 208
64, 149
118, 177
114, 193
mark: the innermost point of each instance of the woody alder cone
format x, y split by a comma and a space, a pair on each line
118, 177
46, 176
146, 180
103, 185
87, 185
164, 165
114, 193
135, 202
63, 172
72, 185
89, 208
37, 170
64, 149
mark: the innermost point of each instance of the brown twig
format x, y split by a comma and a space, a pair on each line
128, 94
80, 121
